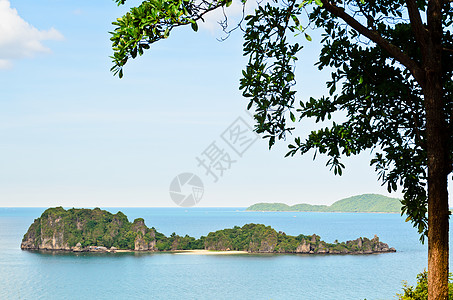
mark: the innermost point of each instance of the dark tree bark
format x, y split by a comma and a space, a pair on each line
437, 152
438, 212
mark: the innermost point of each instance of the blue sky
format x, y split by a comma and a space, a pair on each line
71, 134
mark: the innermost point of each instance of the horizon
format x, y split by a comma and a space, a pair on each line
105, 207
75, 135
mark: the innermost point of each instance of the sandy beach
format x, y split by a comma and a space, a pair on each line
187, 252
209, 252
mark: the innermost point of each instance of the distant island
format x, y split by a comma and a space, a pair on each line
367, 203
96, 230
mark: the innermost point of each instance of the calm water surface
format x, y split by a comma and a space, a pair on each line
30, 275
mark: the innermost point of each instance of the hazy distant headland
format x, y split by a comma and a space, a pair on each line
366, 203
96, 230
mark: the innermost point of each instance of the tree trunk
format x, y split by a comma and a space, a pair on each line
438, 212
437, 236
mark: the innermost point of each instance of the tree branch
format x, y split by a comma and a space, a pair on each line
369, 18
434, 20
420, 32
391, 49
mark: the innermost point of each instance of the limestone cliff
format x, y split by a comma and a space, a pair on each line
144, 237
47, 233
93, 230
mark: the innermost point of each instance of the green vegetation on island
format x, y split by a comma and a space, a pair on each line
367, 203
62, 229
97, 230
258, 238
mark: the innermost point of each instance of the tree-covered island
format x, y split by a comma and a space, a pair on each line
96, 230
366, 203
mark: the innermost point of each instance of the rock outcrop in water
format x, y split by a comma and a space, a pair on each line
258, 238
96, 230
92, 230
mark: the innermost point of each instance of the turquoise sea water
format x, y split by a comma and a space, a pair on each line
31, 275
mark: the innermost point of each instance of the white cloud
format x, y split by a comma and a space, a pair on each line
19, 39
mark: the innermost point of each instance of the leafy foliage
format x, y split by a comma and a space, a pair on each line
382, 100
374, 82
420, 291
152, 21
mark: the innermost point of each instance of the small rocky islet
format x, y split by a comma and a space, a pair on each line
96, 230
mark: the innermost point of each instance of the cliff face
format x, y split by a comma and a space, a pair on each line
32, 239
263, 241
304, 247
46, 233
87, 230
52, 234
144, 237
357, 246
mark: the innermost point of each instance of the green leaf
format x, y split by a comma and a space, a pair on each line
308, 37
318, 2
295, 19
194, 26
332, 90
293, 118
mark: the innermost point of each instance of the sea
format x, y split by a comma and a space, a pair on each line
56, 275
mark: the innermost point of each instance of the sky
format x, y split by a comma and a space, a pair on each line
73, 135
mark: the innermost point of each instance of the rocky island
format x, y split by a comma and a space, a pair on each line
96, 230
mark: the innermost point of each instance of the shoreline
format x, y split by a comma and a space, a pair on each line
179, 252
185, 252
209, 252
